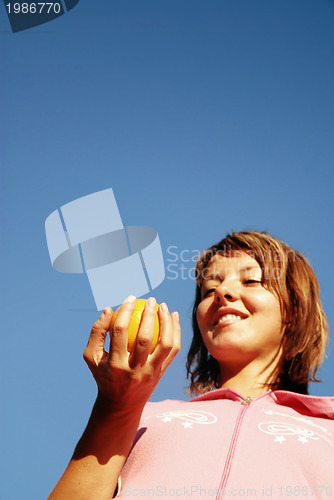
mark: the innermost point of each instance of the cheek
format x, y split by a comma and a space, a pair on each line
270, 306
202, 316
263, 302
274, 307
199, 316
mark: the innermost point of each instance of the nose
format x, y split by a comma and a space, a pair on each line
226, 292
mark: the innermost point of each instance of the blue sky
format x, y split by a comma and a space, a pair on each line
204, 117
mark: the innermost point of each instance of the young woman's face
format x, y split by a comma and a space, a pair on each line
240, 321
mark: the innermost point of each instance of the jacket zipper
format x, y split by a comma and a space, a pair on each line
226, 472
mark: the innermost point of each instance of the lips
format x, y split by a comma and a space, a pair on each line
228, 316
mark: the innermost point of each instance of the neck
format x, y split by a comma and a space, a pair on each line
249, 380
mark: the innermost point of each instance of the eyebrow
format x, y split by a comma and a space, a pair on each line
217, 275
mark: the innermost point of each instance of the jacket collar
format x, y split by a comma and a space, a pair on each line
316, 406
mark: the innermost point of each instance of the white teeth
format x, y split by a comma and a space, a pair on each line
229, 317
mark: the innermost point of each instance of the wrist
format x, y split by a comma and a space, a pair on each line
107, 409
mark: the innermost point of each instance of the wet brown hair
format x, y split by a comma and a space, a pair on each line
287, 274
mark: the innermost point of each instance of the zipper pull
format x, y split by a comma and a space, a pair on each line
246, 401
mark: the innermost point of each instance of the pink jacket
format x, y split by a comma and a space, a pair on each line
281, 445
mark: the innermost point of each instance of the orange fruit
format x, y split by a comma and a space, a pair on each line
135, 324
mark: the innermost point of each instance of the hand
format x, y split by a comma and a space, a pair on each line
126, 381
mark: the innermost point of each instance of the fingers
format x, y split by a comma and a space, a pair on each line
176, 340
119, 333
165, 351
177, 331
170, 338
145, 334
95, 347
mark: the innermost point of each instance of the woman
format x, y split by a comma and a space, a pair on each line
259, 337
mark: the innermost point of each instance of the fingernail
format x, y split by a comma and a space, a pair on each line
164, 307
130, 299
151, 301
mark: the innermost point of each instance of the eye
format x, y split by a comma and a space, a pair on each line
205, 293
253, 282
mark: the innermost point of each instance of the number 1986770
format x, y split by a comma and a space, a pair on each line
34, 8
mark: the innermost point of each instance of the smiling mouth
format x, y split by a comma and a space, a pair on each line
227, 319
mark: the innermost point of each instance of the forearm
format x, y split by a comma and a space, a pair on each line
99, 456
125, 383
